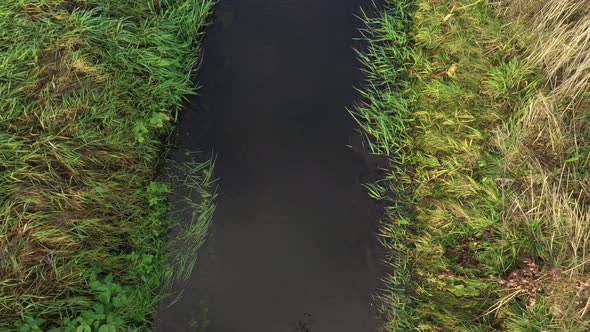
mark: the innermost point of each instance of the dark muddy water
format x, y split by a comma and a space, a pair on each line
291, 245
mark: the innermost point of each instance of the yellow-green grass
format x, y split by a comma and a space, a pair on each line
480, 107
88, 90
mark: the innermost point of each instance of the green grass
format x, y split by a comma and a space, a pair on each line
386, 122
486, 187
88, 91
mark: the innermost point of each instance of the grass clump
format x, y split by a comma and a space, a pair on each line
485, 129
87, 89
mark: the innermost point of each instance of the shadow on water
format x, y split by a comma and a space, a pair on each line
291, 245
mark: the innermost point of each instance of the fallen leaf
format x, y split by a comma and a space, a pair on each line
452, 70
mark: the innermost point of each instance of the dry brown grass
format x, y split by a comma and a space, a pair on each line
557, 37
545, 151
555, 203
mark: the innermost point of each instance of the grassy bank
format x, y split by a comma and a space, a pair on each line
88, 90
480, 107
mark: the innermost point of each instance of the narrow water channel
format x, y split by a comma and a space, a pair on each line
290, 248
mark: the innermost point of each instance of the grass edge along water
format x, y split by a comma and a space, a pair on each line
486, 193
89, 92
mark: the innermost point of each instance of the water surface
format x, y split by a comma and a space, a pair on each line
290, 248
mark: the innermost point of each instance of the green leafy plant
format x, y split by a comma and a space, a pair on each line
29, 324
103, 316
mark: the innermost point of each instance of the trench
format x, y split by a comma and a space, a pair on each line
291, 246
